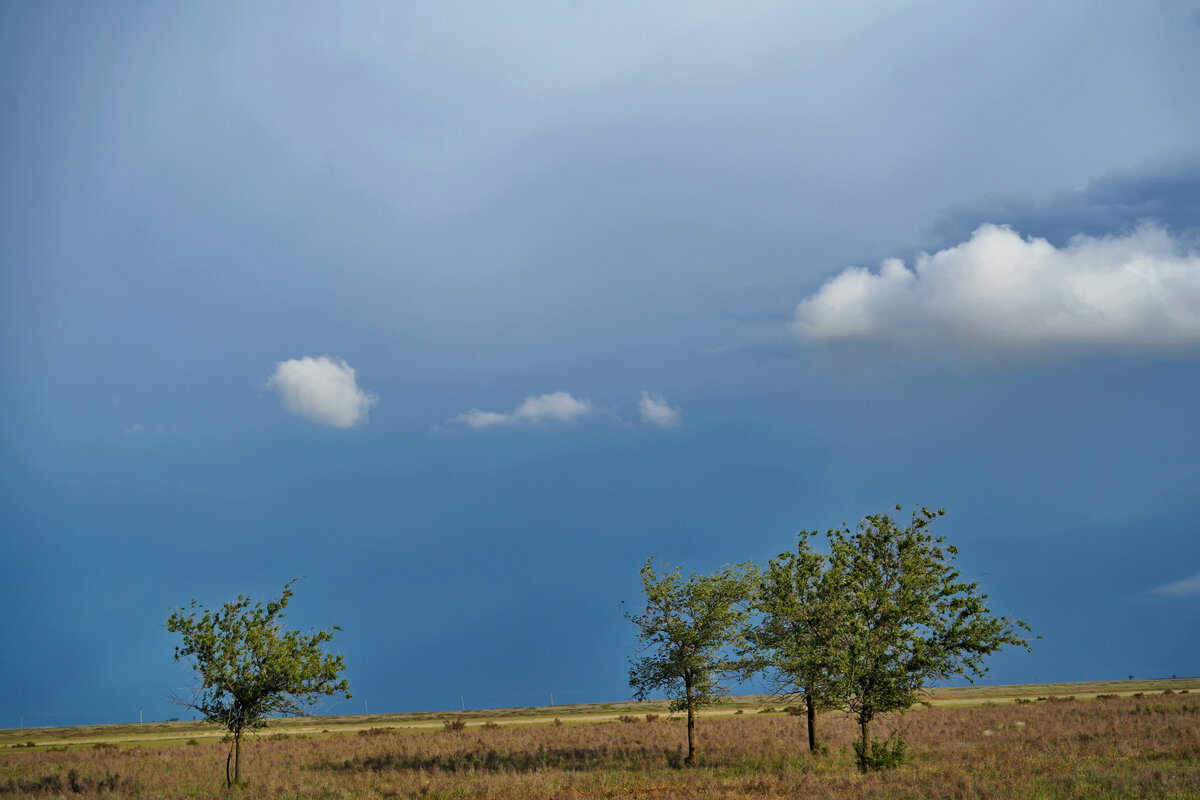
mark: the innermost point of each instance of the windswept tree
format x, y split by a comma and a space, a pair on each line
908, 618
689, 632
797, 607
251, 668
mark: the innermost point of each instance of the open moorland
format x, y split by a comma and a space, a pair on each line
1128, 739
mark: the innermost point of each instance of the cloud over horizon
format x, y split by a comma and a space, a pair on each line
655, 410
536, 409
322, 390
1001, 291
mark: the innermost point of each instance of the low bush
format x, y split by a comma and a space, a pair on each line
879, 755
376, 732
454, 724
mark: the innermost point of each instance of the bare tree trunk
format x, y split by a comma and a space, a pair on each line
228, 777
691, 756
812, 721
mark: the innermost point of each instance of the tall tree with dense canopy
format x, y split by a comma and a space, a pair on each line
689, 633
251, 668
797, 608
907, 618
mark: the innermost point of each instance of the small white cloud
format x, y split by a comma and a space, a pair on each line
135, 429
656, 410
1000, 291
322, 390
1181, 588
552, 407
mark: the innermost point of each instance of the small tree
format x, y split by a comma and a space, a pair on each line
688, 633
792, 642
906, 618
250, 668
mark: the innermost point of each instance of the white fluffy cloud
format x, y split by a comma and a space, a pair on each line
656, 410
322, 390
551, 407
998, 290
1180, 588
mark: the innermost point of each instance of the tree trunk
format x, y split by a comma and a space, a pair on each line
865, 725
812, 721
237, 757
691, 709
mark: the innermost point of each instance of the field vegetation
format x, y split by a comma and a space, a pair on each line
1100, 740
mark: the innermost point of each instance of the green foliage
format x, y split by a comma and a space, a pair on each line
689, 633
905, 618
798, 608
874, 755
250, 667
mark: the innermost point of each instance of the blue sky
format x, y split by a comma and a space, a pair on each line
461, 312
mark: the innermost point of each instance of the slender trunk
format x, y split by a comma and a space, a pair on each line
812, 721
228, 777
691, 709
237, 757
865, 725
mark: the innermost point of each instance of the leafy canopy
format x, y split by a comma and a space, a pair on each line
688, 633
907, 616
250, 667
797, 610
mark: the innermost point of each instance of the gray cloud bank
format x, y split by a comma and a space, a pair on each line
1001, 291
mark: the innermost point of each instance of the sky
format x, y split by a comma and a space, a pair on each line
460, 312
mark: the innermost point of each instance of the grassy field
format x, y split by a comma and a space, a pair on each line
1127, 739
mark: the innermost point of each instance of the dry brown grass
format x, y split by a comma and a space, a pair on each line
1118, 747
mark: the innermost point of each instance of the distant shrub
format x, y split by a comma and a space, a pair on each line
1167, 691
490, 726
557, 722
627, 718
880, 755
1106, 697
795, 711
104, 746
740, 711
1023, 701
767, 710
651, 717
376, 732
193, 741
454, 724
1139, 695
